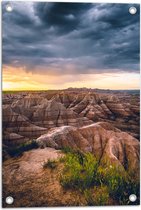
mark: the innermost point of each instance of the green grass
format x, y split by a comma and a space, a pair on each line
79, 170
82, 172
119, 183
18, 150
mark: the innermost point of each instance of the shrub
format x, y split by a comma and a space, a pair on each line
50, 164
17, 151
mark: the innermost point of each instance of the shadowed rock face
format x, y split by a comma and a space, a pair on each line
102, 139
29, 115
17, 128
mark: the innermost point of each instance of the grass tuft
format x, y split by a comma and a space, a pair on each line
52, 164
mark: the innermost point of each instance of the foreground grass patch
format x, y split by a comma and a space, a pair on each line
83, 172
79, 170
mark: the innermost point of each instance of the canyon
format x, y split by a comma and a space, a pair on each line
103, 123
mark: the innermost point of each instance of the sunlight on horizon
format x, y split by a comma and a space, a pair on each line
19, 79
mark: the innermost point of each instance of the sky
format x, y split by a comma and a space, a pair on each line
62, 45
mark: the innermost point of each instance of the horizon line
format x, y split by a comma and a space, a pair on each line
66, 89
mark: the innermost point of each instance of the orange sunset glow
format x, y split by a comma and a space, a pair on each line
19, 79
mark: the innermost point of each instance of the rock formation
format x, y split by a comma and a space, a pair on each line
17, 127
32, 114
101, 139
105, 124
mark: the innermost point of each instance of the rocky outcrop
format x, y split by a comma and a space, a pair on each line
55, 114
19, 125
102, 139
32, 115
48, 113
12, 139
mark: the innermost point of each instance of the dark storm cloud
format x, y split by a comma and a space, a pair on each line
65, 17
71, 37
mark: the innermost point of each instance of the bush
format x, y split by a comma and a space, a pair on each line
50, 164
17, 151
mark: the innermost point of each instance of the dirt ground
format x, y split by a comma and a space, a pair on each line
32, 186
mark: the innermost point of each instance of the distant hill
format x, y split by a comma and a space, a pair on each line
103, 90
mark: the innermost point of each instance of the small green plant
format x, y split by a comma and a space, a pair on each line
52, 164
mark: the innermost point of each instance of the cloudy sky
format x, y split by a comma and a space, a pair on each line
61, 45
